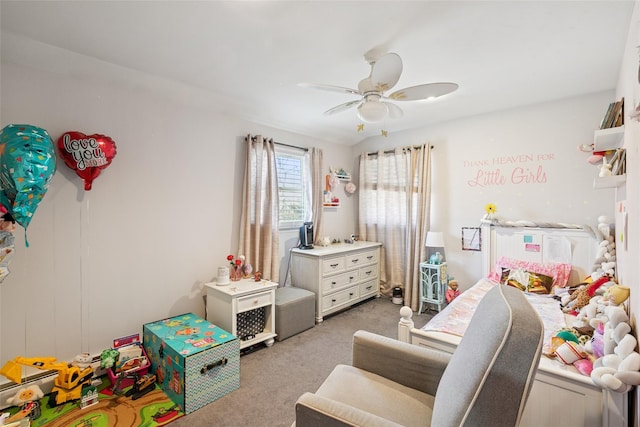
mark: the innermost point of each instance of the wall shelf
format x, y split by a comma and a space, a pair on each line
609, 181
611, 139
608, 139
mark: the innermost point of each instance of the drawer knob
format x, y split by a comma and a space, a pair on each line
351, 277
355, 260
370, 257
333, 265
368, 272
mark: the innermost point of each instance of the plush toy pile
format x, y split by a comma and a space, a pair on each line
600, 344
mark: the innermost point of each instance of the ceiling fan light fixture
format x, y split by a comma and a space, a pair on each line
372, 111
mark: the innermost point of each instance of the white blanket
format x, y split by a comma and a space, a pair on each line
456, 316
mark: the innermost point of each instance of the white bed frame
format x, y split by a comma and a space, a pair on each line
560, 396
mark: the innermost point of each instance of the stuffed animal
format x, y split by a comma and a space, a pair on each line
453, 291
605, 169
583, 294
108, 358
26, 394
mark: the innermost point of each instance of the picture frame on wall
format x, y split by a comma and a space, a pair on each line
471, 239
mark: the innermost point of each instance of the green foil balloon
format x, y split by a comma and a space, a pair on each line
27, 164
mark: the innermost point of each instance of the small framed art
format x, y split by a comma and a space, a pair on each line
471, 239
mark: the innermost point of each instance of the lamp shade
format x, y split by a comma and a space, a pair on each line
372, 111
435, 239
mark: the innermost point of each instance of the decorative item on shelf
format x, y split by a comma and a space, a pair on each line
236, 268
605, 169
435, 242
223, 276
332, 181
341, 174
490, 210
436, 258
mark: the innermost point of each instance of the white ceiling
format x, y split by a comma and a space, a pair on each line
247, 57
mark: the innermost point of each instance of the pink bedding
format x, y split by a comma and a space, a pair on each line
455, 317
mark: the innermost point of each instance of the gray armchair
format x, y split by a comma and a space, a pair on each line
485, 382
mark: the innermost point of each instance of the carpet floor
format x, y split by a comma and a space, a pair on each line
272, 378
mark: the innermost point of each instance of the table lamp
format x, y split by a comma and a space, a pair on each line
435, 242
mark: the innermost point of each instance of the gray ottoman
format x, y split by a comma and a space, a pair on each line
295, 311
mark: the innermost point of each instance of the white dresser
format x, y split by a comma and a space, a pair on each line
340, 275
228, 306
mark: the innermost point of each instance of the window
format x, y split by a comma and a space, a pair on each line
293, 187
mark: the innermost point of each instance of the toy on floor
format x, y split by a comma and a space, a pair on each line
28, 400
68, 384
452, 291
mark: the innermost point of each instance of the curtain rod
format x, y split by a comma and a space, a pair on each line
375, 153
253, 138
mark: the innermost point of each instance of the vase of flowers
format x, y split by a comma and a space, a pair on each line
235, 272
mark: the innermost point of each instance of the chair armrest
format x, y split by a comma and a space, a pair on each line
314, 410
407, 364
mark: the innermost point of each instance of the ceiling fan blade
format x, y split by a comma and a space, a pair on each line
395, 112
385, 72
341, 107
329, 88
425, 91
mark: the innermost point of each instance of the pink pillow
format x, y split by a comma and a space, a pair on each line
559, 272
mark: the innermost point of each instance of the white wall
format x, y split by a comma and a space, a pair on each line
538, 141
628, 196
156, 225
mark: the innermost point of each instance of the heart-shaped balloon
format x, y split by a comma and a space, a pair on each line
86, 154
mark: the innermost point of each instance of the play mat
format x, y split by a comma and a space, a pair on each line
151, 410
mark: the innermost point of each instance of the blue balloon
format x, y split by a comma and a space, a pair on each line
27, 164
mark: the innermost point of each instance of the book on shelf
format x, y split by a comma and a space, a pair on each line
614, 116
603, 124
619, 163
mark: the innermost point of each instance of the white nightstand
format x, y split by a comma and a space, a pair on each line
433, 284
227, 304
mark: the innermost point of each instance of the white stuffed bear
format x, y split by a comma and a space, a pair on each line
619, 369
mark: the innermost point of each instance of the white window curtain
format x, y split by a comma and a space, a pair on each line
316, 190
259, 236
394, 209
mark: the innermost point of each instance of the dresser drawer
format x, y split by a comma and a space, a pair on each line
254, 301
369, 288
368, 272
361, 258
339, 298
339, 280
332, 265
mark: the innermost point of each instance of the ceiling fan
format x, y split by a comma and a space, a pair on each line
385, 73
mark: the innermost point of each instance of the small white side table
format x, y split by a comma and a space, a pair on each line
433, 284
226, 302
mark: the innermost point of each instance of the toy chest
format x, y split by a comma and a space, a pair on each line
195, 362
